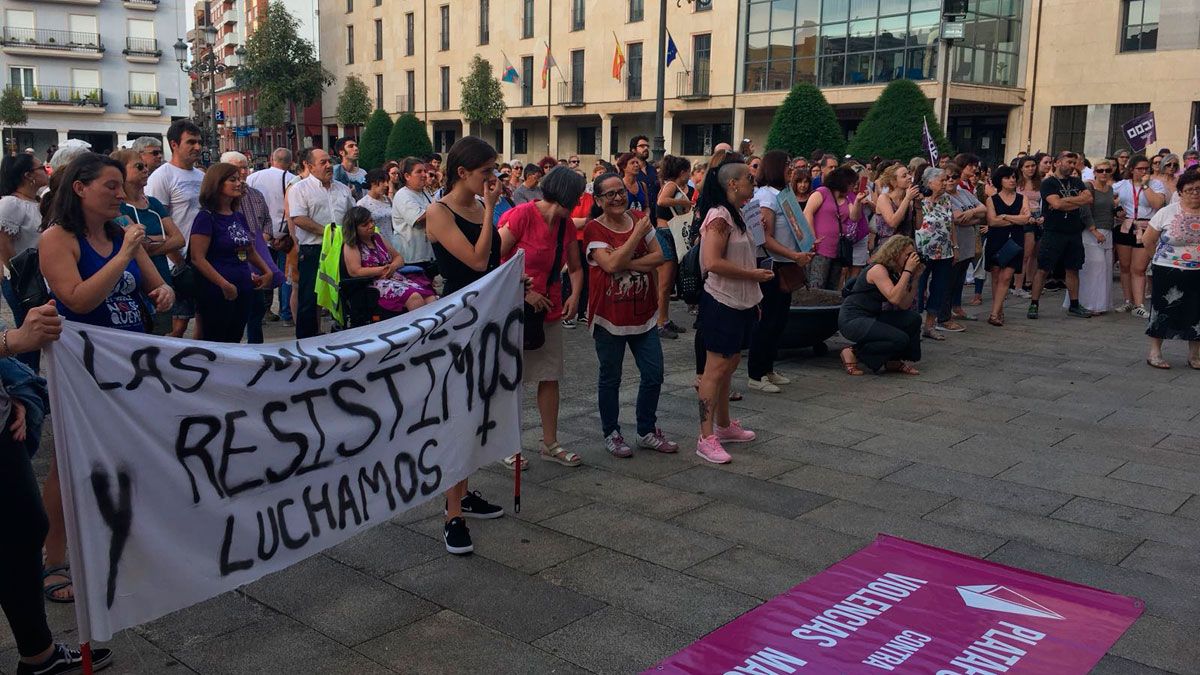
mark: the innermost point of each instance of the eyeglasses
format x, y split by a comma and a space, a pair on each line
572, 161
1191, 192
1173, 164
156, 153
611, 194
1102, 170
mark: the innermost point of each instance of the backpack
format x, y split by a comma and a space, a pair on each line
691, 280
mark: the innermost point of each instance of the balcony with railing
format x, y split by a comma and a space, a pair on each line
144, 103
693, 86
570, 94
141, 50
63, 99
41, 42
93, 3
146, 5
230, 16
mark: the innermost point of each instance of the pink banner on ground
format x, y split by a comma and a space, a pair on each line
898, 606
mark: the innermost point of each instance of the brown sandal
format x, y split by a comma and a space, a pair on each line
851, 365
902, 368
995, 320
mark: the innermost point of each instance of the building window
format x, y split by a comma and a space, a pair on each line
410, 88
588, 140
699, 139
1139, 25
409, 34
1121, 113
701, 62
520, 141
576, 76
443, 140
527, 19
379, 91
526, 80
378, 39
633, 83
637, 10
349, 6
349, 44
577, 14
445, 87
1068, 125
22, 78
444, 11
485, 7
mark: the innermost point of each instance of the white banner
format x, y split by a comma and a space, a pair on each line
191, 468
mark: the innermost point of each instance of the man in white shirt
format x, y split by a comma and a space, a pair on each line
314, 203
177, 185
272, 182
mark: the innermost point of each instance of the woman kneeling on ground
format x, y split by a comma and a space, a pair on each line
884, 335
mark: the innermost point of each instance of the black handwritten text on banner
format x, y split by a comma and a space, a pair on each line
192, 468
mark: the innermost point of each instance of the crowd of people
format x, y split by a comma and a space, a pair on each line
132, 243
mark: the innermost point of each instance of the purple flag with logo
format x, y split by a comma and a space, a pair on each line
1140, 131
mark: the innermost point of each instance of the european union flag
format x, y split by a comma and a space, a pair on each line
672, 50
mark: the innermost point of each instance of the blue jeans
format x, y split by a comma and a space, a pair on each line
285, 291
32, 359
936, 278
647, 354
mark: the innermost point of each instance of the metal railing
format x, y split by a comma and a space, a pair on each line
148, 3
38, 38
570, 93
693, 85
142, 47
57, 95
144, 100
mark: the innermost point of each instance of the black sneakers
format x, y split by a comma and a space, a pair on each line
457, 537
67, 660
475, 506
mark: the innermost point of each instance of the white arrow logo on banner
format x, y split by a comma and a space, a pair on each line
1004, 599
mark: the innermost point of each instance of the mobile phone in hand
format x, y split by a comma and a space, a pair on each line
862, 184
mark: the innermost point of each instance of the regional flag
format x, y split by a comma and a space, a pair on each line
618, 60
510, 73
546, 66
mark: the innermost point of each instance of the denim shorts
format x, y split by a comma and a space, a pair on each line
666, 241
726, 330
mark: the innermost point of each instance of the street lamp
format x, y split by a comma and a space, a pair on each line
208, 64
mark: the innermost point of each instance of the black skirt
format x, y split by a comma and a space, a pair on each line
1175, 304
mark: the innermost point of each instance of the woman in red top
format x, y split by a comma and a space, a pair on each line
622, 309
543, 229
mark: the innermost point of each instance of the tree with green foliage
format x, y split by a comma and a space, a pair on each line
892, 128
282, 66
354, 103
482, 99
12, 113
372, 146
804, 123
408, 139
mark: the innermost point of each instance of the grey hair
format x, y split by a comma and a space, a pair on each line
931, 174
144, 143
563, 186
233, 157
1171, 157
66, 153
281, 156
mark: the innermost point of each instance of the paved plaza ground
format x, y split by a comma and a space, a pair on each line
1047, 445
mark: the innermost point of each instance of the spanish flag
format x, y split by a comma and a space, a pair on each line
547, 64
618, 60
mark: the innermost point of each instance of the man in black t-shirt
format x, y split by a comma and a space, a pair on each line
1063, 194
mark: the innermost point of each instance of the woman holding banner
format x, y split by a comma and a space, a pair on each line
466, 246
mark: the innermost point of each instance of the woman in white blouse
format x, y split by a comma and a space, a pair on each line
22, 176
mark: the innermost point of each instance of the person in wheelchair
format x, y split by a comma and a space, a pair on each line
366, 253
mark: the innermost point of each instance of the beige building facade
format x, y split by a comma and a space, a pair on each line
1027, 75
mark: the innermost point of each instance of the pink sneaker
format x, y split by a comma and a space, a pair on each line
709, 448
734, 433
655, 440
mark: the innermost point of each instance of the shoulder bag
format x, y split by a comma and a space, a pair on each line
281, 241
535, 319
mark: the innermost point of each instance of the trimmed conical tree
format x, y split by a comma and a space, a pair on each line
804, 123
892, 128
373, 143
408, 139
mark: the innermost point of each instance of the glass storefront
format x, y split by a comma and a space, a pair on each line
835, 43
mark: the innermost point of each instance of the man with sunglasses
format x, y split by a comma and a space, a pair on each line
151, 151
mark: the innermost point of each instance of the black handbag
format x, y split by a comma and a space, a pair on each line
27, 281
845, 247
535, 319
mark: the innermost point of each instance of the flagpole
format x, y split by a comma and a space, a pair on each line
660, 92
549, 54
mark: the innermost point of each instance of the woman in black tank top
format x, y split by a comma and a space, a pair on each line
1007, 215
466, 245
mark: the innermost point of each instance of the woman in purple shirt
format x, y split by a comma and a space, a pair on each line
833, 209
222, 251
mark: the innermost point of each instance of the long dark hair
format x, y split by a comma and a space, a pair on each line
12, 172
468, 152
66, 209
213, 184
712, 194
356, 216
